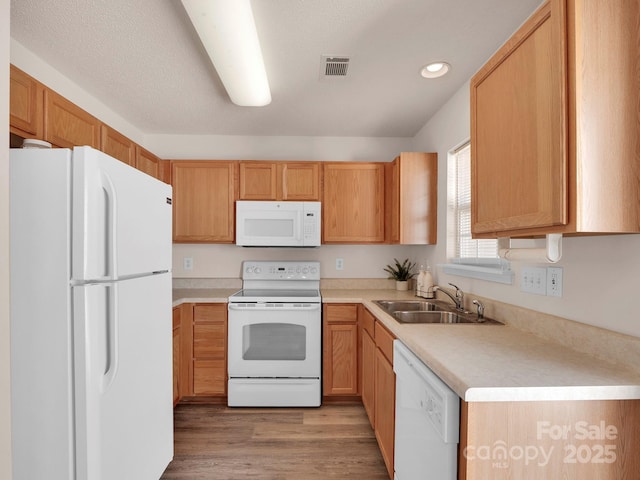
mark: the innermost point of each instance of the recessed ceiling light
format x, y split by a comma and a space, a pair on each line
435, 69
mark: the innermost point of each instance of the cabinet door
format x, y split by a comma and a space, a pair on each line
203, 201
210, 349
353, 202
519, 130
25, 104
258, 181
385, 407
118, 146
411, 196
147, 162
368, 375
299, 181
340, 350
176, 365
67, 125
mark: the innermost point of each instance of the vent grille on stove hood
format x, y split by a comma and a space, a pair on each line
334, 66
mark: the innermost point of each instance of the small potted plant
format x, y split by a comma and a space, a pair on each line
401, 273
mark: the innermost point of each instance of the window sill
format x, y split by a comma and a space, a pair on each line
491, 274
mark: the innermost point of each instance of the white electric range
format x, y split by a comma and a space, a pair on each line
275, 336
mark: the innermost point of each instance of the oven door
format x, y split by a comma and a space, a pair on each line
274, 340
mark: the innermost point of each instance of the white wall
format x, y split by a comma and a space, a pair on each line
600, 273
5, 385
224, 261
239, 147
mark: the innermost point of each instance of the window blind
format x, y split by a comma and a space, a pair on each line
460, 185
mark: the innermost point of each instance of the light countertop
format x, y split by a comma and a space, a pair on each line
485, 363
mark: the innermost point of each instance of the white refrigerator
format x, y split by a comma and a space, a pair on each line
91, 332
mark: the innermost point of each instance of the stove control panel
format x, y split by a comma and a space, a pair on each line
283, 270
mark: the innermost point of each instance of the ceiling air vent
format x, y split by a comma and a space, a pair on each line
334, 66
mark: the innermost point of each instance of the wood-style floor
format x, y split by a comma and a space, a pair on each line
330, 442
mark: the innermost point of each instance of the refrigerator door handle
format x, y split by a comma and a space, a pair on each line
111, 338
111, 213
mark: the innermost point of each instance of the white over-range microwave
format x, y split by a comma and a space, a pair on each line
278, 224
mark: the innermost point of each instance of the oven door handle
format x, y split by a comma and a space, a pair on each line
261, 307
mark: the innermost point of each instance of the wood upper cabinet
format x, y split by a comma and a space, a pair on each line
203, 201
118, 146
353, 202
148, 163
66, 125
340, 349
210, 349
554, 125
411, 195
25, 105
299, 181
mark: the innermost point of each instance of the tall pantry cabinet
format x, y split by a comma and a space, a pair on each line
555, 124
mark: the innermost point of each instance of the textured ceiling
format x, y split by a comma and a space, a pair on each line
143, 59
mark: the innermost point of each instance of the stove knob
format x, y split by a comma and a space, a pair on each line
248, 269
314, 270
257, 270
305, 270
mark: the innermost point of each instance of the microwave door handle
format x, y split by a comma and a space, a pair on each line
299, 232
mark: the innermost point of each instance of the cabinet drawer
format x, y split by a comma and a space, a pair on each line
210, 313
347, 312
367, 321
384, 341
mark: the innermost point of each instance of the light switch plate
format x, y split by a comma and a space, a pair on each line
339, 263
534, 280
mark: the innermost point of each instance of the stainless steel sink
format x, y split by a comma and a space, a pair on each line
420, 311
408, 306
432, 317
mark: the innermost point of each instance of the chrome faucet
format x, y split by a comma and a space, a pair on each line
458, 300
480, 307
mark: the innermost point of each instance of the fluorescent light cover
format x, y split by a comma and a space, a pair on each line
228, 32
435, 69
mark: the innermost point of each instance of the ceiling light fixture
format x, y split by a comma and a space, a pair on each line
228, 32
435, 69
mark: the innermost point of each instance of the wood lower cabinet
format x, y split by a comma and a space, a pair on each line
411, 196
26, 117
66, 125
118, 146
554, 125
385, 395
367, 362
204, 197
340, 350
177, 347
353, 202
296, 181
210, 349
543, 440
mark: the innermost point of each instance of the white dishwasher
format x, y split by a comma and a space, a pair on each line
427, 421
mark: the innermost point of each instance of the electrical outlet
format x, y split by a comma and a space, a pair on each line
339, 263
554, 281
534, 280
187, 263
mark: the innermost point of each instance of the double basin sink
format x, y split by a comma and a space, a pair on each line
420, 311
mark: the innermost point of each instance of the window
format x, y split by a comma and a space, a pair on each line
468, 257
